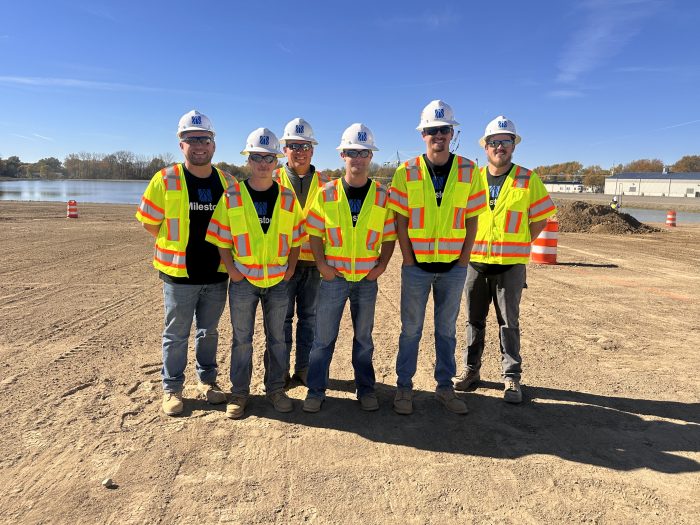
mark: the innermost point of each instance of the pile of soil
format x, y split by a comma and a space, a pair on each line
582, 217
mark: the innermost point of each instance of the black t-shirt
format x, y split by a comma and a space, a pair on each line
495, 184
438, 174
356, 197
264, 202
202, 257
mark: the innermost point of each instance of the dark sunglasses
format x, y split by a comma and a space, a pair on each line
256, 157
300, 147
506, 143
445, 130
197, 140
354, 153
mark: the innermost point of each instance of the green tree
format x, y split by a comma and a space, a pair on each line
644, 166
12, 167
687, 164
594, 177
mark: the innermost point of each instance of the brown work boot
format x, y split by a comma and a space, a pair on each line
466, 379
512, 393
172, 403
369, 402
403, 402
447, 397
236, 406
312, 404
211, 391
280, 400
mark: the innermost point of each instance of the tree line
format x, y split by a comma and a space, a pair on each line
126, 165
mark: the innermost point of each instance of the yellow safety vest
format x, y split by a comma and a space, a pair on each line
166, 202
503, 236
353, 251
261, 257
437, 232
319, 179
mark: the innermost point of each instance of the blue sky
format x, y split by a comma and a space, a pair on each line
598, 81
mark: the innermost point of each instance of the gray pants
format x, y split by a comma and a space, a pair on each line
505, 290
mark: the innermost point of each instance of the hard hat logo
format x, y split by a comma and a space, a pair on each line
264, 140
299, 129
440, 113
196, 120
502, 123
362, 136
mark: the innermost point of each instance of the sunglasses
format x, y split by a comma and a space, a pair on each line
507, 143
445, 130
354, 153
197, 140
300, 147
268, 159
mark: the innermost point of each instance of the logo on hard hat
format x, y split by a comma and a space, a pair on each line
362, 136
440, 113
502, 123
196, 120
264, 140
299, 129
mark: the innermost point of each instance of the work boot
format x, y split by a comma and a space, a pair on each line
512, 393
447, 397
403, 402
466, 379
369, 402
212, 392
236, 406
280, 400
312, 404
301, 375
172, 403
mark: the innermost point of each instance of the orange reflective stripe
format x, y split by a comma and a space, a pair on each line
151, 211
398, 198
417, 219
171, 258
521, 178
173, 229
221, 232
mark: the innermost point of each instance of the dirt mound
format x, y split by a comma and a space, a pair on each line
582, 217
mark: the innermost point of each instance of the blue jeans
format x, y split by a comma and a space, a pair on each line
183, 302
447, 293
302, 290
243, 299
332, 298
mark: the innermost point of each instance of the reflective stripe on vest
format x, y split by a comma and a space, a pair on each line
458, 221
171, 258
242, 244
173, 226
315, 221
335, 237
399, 198
171, 178
372, 240
413, 171
513, 221
256, 272
283, 250
150, 210
286, 199
363, 265
416, 218
540, 207
521, 178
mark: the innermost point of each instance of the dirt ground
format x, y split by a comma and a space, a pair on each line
609, 431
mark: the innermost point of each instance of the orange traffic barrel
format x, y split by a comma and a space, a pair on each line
72, 211
544, 249
671, 218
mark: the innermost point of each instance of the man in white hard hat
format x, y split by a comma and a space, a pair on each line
299, 175
258, 227
176, 209
437, 198
515, 216
352, 238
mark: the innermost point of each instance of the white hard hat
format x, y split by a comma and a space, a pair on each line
499, 125
194, 121
437, 113
298, 129
262, 140
357, 136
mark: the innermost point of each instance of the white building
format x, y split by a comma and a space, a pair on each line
564, 187
654, 184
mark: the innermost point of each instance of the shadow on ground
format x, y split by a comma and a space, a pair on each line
614, 432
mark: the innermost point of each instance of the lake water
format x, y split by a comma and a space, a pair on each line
102, 191
129, 192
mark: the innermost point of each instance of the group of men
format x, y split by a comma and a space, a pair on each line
302, 246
